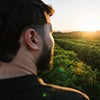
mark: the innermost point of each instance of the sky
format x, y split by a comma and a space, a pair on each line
73, 15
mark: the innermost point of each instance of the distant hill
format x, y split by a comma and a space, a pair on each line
81, 34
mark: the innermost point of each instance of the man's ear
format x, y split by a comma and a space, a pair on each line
31, 39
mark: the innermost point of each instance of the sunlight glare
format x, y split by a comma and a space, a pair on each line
89, 24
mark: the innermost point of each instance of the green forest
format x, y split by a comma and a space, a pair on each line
76, 62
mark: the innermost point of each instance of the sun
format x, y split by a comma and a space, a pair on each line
89, 24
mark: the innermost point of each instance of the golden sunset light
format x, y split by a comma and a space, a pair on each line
80, 15
89, 24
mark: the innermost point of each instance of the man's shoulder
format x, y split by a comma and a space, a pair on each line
63, 93
69, 92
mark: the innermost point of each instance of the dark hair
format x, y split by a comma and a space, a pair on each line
15, 15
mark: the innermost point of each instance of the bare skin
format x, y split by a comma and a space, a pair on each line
25, 60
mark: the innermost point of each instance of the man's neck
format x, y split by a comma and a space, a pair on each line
22, 64
8, 70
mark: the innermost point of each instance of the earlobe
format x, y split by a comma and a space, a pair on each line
31, 38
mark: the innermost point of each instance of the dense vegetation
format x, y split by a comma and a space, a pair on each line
88, 50
76, 63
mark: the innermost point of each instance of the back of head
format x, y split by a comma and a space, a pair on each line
15, 16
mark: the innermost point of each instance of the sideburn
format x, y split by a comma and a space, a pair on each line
44, 62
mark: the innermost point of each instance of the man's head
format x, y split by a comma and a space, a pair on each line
18, 17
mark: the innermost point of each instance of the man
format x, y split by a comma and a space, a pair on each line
26, 46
